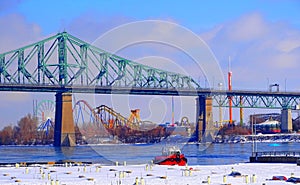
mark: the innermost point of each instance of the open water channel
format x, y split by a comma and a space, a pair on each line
197, 154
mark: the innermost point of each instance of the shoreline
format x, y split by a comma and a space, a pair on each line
188, 143
227, 139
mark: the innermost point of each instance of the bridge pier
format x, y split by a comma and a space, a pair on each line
286, 120
64, 133
204, 115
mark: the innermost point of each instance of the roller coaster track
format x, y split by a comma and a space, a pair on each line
104, 115
79, 112
105, 121
114, 118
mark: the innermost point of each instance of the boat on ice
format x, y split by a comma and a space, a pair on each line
171, 156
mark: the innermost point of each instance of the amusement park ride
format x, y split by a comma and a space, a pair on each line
104, 122
44, 111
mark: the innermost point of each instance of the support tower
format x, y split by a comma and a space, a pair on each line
64, 134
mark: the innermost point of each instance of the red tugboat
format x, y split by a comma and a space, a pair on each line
171, 156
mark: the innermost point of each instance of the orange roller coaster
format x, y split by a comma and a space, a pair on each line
104, 119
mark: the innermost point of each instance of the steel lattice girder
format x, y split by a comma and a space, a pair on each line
66, 60
64, 63
257, 101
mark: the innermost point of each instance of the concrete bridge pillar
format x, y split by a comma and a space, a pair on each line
286, 120
204, 115
64, 133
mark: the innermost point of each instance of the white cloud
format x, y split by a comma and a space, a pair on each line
247, 28
260, 49
16, 32
289, 44
90, 25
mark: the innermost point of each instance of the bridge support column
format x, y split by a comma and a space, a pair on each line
204, 115
286, 120
64, 133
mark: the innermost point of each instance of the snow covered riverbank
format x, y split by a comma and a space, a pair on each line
250, 173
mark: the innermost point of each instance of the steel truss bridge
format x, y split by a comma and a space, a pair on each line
64, 63
64, 60
257, 99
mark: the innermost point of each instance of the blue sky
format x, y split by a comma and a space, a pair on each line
196, 15
262, 37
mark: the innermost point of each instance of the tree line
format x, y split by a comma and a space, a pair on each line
25, 133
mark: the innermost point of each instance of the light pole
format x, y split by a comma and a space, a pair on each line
285, 84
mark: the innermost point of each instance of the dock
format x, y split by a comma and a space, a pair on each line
276, 157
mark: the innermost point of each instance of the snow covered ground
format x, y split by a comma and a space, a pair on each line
251, 173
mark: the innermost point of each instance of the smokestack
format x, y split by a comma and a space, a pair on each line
229, 89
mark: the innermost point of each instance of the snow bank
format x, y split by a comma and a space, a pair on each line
148, 174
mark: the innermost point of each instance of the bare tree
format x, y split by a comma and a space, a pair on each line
27, 128
6, 135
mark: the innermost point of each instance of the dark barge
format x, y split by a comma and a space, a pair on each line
276, 157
